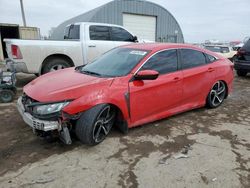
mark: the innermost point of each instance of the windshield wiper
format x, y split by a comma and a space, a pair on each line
90, 73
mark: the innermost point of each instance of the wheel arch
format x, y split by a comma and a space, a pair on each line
54, 56
121, 121
226, 87
122, 111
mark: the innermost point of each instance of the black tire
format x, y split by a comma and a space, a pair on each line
54, 64
89, 123
6, 96
216, 95
241, 73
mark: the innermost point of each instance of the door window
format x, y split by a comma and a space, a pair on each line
163, 62
210, 59
120, 34
99, 32
72, 32
192, 58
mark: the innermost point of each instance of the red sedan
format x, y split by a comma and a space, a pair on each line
127, 87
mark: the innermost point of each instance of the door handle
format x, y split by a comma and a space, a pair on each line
210, 69
176, 79
92, 46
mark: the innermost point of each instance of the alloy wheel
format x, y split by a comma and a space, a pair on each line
103, 124
218, 93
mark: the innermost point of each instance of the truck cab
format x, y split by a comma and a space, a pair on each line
83, 42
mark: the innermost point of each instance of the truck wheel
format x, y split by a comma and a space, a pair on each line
55, 64
6, 96
241, 73
94, 125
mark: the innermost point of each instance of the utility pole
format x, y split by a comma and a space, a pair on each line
23, 15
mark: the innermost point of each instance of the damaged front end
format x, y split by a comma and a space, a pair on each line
46, 119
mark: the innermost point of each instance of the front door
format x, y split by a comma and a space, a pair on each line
151, 99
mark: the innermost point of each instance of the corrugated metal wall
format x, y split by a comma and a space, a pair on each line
167, 28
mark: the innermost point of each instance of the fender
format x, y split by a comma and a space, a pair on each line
92, 99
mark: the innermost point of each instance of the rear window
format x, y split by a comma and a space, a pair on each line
72, 32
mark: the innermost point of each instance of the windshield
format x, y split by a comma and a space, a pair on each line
115, 63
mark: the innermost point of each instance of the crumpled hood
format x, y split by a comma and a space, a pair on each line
64, 85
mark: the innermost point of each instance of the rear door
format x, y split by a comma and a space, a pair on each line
98, 41
150, 99
198, 77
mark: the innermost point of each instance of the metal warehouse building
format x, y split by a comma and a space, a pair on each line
145, 19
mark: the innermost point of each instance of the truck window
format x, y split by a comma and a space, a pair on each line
72, 32
120, 34
99, 32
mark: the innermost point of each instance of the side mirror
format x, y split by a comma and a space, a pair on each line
135, 39
146, 75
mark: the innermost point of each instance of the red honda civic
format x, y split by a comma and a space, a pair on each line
127, 87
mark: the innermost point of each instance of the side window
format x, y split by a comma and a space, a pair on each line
120, 34
192, 58
99, 33
210, 59
74, 32
163, 62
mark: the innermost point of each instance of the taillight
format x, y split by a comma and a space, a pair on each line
15, 51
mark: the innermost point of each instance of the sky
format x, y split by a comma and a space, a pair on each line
200, 20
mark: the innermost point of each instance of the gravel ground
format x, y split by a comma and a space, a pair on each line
215, 143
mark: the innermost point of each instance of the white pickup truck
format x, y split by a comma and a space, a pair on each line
83, 43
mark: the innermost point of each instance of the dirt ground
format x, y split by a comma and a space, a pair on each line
215, 143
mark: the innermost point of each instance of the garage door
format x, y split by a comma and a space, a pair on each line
144, 27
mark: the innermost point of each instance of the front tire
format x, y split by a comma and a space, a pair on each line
241, 73
94, 125
217, 94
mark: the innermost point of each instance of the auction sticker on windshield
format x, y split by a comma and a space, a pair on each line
142, 53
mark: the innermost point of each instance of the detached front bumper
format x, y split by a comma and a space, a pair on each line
35, 123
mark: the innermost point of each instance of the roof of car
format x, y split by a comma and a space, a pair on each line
159, 46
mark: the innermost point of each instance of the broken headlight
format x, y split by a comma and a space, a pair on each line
47, 109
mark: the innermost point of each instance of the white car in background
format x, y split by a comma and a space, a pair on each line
83, 43
222, 50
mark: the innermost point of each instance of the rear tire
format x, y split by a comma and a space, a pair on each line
241, 73
6, 96
94, 125
55, 64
